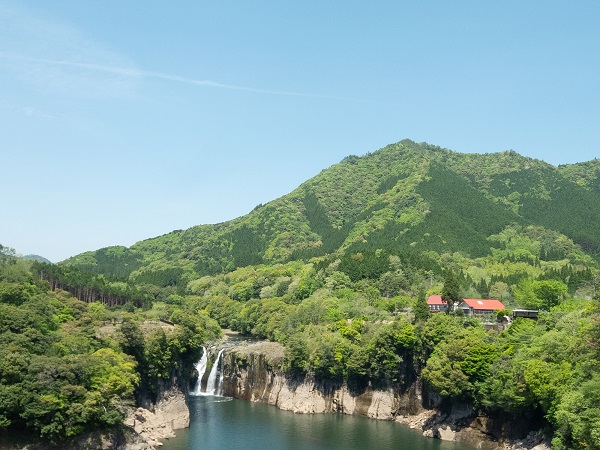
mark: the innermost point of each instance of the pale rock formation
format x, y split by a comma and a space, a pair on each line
170, 413
253, 373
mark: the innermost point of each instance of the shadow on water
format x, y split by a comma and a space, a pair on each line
221, 422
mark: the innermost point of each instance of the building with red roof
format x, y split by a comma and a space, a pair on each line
481, 308
436, 304
474, 307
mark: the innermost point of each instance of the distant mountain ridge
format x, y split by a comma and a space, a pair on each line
37, 258
409, 198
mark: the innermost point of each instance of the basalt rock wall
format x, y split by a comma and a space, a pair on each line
254, 373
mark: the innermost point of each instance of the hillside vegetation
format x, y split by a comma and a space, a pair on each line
339, 271
406, 198
61, 376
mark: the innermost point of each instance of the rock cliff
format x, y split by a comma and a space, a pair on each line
253, 373
169, 413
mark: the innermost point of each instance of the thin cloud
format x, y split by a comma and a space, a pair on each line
55, 56
27, 111
140, 74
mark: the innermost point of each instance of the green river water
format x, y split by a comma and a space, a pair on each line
222, 423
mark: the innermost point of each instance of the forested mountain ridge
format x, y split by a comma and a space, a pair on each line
405, 198
586, 174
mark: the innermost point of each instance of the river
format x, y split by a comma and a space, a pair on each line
223, 423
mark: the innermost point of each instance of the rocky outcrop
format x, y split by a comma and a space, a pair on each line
466, 425
253, 373
150, 426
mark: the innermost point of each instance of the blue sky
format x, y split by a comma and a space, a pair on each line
122, 121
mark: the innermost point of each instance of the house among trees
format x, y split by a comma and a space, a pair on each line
481, 308
526, 313
436, 304
472, 307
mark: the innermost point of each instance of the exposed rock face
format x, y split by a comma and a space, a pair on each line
170, 413
253, 372
478, 431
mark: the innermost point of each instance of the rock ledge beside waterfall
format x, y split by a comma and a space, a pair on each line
253, 372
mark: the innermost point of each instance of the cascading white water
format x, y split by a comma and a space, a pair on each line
201, 368
219, 389
212, 385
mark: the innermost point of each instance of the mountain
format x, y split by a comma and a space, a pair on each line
37, 258
586, 174
411, 199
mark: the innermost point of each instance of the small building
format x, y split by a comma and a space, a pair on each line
481, 308
526, 313
436, 304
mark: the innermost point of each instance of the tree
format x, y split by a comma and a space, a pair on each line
132, 341
7, 254
388, 349
158, 359
295, 360
451, 290
391, 283
421, 308
460, 363
550, 292
525, 295
499, 290
97, 311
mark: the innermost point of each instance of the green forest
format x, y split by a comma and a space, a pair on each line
338, 271
68, 367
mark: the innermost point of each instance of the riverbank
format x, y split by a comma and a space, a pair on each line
472, 429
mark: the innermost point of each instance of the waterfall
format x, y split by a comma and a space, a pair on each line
201, 368
219, 390
212, 385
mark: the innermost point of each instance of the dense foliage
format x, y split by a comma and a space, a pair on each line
68, 367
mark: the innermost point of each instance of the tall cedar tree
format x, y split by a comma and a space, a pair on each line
421, 307
451, 290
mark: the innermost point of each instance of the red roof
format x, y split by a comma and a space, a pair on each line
435, 300
488, 305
